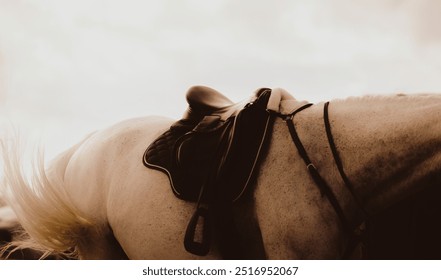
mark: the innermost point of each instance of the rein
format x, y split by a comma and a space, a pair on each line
356, 236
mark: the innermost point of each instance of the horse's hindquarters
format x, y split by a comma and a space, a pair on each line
133, 203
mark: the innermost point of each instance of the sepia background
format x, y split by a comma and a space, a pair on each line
70, 67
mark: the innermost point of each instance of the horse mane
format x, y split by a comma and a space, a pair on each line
51, 223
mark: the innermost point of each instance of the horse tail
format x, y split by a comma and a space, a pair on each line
51, 223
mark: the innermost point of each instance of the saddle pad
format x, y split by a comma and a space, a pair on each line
220, 154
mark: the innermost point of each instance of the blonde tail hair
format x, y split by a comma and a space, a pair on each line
51, 222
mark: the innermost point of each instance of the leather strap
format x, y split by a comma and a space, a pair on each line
355, 236
325, 189
338, 161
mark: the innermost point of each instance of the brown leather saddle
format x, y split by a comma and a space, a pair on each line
210, 156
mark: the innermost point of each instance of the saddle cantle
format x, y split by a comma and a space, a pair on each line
210, 156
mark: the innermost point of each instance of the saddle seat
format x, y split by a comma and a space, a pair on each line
211, 154
205, 102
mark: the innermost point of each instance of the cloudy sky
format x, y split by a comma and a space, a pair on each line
71, 67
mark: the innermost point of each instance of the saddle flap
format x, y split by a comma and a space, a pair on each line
198, 158
208, 123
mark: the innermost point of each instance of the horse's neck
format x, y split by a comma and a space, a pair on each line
390, 147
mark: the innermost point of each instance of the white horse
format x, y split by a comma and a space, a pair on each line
99, 200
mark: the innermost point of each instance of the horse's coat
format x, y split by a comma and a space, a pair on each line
99, 198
